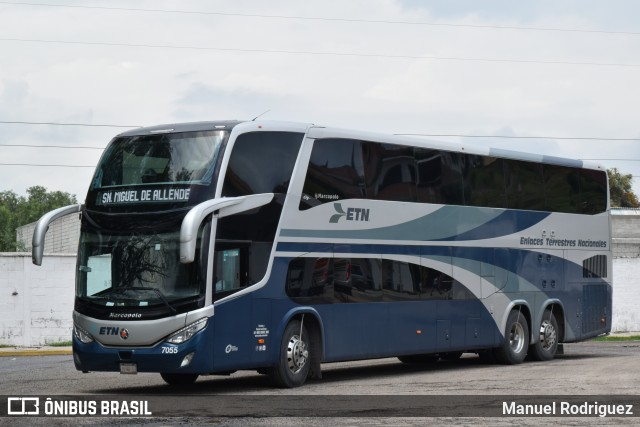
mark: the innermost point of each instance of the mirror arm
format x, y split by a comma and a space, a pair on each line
42, 226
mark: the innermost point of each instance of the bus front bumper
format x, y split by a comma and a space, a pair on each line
192, 356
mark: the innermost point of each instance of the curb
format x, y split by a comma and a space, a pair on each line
13, 352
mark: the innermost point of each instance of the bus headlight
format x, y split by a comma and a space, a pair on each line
187, 332
81, 334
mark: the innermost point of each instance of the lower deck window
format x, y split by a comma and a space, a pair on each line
353, 280
237, 265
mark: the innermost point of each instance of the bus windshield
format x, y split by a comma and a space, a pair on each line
135, 270
171, 158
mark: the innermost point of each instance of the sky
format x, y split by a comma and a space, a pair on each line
564, 71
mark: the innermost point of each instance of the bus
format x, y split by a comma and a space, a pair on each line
212, 247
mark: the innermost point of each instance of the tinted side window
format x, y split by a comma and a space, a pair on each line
390, 172
310, 277
335, 172
593, 191
261, 162
485, 181
439, 177
342, 169
436, 285
562, 188
525, 185
429, 186
251, 233
360, 280
452, 178
400, 280
357, 280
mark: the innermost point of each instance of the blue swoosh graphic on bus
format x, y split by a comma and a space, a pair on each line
449, 223
508, 222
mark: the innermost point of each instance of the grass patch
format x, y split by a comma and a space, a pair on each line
60, 344
6, 346
616, 338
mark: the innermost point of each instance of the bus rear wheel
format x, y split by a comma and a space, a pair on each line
547, 345
294, 362
179, 379
516, 340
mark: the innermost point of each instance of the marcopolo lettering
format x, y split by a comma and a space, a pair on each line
125, 315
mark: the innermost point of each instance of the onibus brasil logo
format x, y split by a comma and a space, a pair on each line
352, 214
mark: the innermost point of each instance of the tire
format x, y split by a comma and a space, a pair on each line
516, 340
547, 345
416, 359
294, 360
179, 379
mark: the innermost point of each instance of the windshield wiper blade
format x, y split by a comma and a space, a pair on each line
160, 295
122, 289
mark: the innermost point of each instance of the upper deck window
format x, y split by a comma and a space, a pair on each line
171, 158
353, 169
261, 162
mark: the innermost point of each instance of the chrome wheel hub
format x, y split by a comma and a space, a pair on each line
548, 335
297, 354
516, 338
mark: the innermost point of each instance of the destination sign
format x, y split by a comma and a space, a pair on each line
143, 195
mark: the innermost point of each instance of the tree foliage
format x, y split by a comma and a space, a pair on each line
16, 211
620, 192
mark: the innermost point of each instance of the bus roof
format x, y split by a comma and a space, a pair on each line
182, 127
477, 149
317, 131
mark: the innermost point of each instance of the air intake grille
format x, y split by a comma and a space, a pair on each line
596, 266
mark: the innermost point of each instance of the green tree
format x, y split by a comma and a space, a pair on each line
620, 192
16, 211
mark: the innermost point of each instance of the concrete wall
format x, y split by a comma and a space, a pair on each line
625, 222
625, 232
626, 298
62, 237
36, 302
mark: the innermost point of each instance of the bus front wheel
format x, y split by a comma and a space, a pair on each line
516, 340
293, 364
547, 345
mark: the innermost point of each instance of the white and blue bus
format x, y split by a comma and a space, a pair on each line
212, 247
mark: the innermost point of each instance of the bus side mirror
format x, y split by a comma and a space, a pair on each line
42, 226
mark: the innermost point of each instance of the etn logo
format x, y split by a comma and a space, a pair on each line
352, 214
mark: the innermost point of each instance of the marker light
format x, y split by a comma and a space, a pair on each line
187, 359
186, 333
81, 334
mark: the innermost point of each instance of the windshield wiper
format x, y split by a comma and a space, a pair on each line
122, 289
